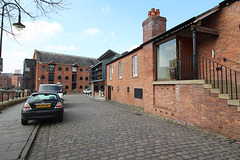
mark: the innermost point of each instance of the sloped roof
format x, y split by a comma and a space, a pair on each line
64, 59
108, 55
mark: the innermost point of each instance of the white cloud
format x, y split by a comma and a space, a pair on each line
59, 48
39, 30
92, 31
132, 47
12, 61
106, 9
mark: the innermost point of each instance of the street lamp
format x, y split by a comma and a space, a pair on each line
19, 26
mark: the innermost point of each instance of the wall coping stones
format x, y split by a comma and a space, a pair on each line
200, 82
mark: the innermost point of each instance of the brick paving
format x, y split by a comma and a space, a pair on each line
95, 129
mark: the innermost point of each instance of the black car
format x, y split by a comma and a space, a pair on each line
42, 105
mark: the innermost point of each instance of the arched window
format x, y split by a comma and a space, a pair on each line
81, 78
66, 77
66, 87
86, 78
86, 70
59, 77
59, 68
66, 69
42, 77
86, 87
81, 70
43, 67
80, 87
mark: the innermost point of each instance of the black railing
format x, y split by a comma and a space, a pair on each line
220, 76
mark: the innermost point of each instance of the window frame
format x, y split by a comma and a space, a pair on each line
135, 66
111, 72
120, 70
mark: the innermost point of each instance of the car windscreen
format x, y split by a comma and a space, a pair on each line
42, 98
50, 88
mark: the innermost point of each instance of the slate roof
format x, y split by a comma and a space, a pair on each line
64, 59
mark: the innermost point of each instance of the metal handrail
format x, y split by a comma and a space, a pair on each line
220, 76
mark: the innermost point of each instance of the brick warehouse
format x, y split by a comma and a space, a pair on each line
189, 74
73, 72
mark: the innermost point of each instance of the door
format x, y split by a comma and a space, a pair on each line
186, 58
109, 88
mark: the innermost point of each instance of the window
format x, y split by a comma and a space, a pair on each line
86, 78
74, 69
81, 78
43, 67
51, 78
120, 69
86, 70
111, 72
138, 93
59, 77
80, 87
51, 68
81, 70
59, 68
66, 77
66, 87
74, 78
67, 69
86, 87
166, 59
42, 77
135, 70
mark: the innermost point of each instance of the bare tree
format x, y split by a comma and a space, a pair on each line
29, 8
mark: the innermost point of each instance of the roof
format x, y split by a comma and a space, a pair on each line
64, 59
108, 55
178, 28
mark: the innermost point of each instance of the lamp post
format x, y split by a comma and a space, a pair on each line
19, 26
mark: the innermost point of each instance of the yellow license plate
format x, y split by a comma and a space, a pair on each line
43, 106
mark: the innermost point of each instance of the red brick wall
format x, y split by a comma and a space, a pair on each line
194, 105
143, 80
63, 73
227, 22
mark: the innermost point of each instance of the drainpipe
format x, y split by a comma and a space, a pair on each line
194, 36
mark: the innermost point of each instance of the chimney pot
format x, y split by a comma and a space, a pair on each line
149, 13
153, 11
157, 12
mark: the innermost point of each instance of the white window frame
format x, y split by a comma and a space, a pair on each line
111, 72
74, 69
120, 70
135, 67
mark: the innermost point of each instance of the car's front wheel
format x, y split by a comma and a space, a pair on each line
24, 122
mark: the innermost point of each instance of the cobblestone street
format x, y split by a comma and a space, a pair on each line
97, 129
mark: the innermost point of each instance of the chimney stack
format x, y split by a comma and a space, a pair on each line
153, 25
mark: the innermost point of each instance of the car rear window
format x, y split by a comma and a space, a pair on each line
50, 88
42, 97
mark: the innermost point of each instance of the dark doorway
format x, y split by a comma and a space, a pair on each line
109, 89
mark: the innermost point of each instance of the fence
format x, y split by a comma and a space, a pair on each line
220, 76
10, 95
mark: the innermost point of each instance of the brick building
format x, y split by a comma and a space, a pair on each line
189, 73
29, 72
73, 72
6, 80
17, 80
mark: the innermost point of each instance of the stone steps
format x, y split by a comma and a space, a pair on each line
231, 102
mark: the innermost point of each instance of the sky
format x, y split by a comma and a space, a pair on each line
91, 27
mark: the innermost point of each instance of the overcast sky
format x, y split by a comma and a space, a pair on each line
91, 27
